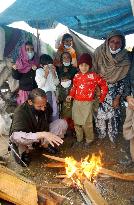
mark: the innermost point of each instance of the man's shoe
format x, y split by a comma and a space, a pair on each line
51, 150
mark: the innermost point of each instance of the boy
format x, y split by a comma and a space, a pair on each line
83, 91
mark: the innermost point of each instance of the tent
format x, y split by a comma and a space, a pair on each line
89, 17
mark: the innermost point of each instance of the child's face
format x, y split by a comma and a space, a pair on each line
84, 68
66, 58
68, 42
64, 79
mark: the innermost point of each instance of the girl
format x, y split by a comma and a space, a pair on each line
47, 80
66, 66
66, 46
24, 71
83, 91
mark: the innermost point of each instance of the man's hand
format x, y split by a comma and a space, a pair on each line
69, 98
116, 102
51, 138
130, 101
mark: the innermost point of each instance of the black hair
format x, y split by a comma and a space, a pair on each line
37, 92
61, 57
29, 43
66, 36
46, 59
65, 76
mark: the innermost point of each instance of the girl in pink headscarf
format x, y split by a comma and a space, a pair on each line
24, 71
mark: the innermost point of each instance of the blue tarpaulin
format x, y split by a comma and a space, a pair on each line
94, 18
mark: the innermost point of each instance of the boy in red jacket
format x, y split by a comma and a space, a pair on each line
83, 92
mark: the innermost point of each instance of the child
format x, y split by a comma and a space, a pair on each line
83, 91
47, 80
65, 107
66, 46
24, 71
66, 66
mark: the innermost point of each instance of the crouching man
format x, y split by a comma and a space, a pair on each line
31, 126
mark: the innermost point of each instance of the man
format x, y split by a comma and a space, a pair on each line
128, 128
31, 125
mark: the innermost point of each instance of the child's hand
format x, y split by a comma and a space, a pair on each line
34, 67
46, 71
116, 102
69, 98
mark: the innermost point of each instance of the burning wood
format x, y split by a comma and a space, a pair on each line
99, 170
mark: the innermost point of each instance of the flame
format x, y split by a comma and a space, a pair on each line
88, 167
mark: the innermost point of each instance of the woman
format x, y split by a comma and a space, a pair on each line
24, 71
111, 61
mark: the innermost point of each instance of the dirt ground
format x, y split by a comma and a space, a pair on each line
116, 192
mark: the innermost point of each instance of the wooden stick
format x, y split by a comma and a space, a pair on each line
102, 170
126, 176
61, 176
59, 159
93, 194
54, 165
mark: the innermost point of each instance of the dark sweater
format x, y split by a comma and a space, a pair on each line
70, 71
24, 119
26, 80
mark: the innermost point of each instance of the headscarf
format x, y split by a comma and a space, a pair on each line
111, 68
23, 64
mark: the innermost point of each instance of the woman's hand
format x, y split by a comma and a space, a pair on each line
51, 138
34, 67
14, 67
116, 102
130, 101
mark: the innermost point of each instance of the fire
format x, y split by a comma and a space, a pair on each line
88, 167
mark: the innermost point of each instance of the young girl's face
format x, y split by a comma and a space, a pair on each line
66, 58
84, 68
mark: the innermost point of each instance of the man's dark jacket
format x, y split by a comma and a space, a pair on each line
25, 120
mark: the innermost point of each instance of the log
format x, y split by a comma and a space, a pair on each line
54, 186
126, 176
61, 176
54, 165
93, 194
48, 197
59, 159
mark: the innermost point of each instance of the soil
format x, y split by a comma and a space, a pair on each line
116, 192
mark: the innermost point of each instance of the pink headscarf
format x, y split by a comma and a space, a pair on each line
23, 64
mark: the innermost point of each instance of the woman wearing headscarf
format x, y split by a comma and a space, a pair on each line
111, 61
24, 71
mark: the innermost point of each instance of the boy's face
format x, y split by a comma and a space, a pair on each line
66, 58
84, 68
68, 42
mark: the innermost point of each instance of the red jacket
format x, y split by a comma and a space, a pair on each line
84, 86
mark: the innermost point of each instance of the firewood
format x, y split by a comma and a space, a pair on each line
59, 159
54, 165
126, 176
54, 186
93, 194
50, 197
61, 176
